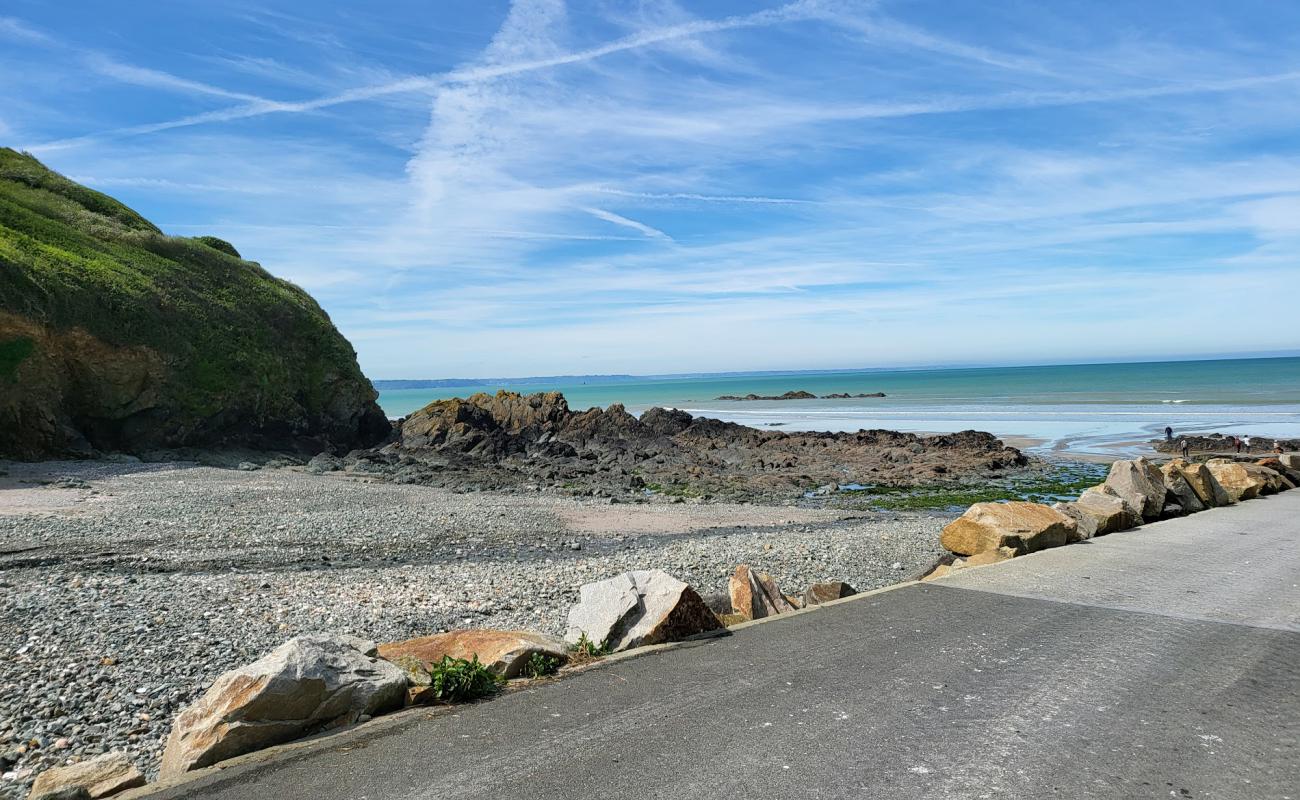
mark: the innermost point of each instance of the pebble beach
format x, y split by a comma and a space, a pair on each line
125, 589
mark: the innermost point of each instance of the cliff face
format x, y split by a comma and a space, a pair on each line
114, 336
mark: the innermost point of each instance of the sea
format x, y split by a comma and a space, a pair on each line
1076, 410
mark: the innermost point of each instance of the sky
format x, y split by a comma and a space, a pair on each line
480, 188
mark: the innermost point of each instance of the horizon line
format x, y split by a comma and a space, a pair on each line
1256, 356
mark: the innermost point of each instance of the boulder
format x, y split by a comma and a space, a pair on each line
825, 592
1202, 481
755, 595
307, 684
1235, 479
994, 556
1273, 480
1111, 512
1179, 490
637, 608
1141, 483
1022, 527
1292, 477
98, 777
1085, 524
1290, 460
504, 652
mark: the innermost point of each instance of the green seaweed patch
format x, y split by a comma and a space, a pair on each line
1061, 484
13, 353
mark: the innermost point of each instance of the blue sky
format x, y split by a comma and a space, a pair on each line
493, 188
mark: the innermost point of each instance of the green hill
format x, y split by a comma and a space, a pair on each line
115, 336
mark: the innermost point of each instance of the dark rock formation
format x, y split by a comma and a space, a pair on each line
798, 395
116, 337
508, 439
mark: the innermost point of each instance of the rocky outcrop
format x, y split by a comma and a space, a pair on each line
1221, 443
755, 595
1236, 480
1202, 481
1018, 526
507, 439
827, 591
1141, 484
101, 776
307, 684
116, 337
798, 394
638, 608
506, 653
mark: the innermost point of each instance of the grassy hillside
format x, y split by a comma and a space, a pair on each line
191, 344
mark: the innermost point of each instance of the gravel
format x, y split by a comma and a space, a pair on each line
125, 589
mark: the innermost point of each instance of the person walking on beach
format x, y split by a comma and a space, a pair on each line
1236, 443
1169, 434
1277, 447
1246, 441
1185, 446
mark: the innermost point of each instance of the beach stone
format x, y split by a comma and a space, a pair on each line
942, 570
1202, 481
1274, 481
827, 591
98, 777
1111, 512
1019, 526
1290, 460
1141, 483
1085, 524
994, 556
1290, 478
755, 595
309, 683
639, 608
1180, 490
1235, 479
504, 652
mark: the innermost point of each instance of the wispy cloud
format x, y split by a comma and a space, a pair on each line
16, 29
794, 185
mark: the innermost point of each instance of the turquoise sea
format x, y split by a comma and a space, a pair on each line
1082, 409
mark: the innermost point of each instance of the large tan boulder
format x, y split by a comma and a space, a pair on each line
1021, 527
1180, 491
1202, 481
99, 777
1141, 483
1235, 479
755, 595
307, 684
638, 608
504, 652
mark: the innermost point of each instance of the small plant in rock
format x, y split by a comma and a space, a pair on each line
587, 650
454, 680
540, 665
